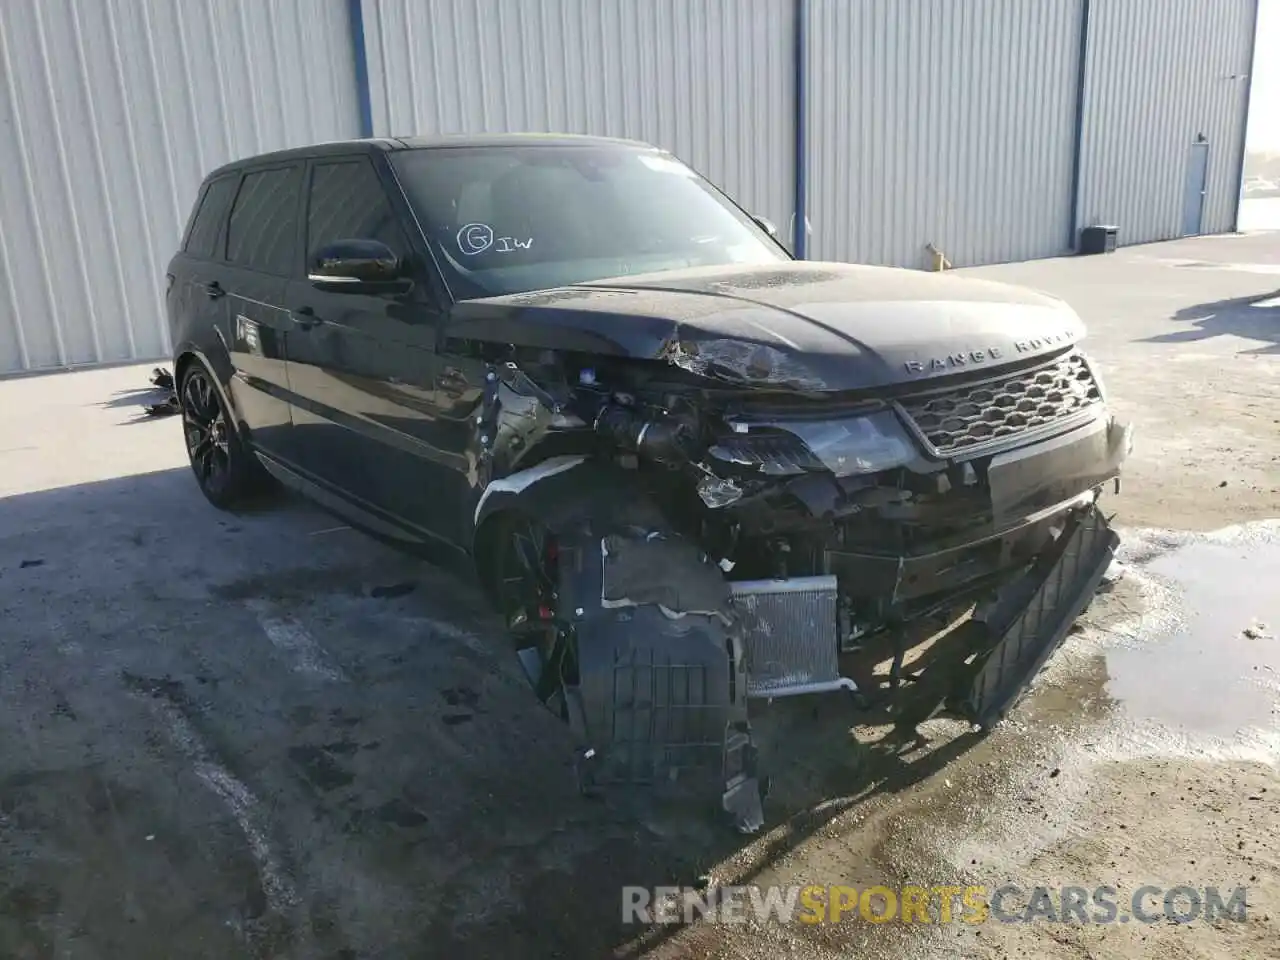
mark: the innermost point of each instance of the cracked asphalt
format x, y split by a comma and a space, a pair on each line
268, 736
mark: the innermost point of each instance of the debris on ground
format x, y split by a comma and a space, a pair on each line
166, 408
169, 406
1256, 630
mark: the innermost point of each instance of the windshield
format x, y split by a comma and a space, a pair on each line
518, 218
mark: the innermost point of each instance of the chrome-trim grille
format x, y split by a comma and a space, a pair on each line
969, 417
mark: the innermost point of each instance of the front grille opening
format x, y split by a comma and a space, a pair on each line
974, 415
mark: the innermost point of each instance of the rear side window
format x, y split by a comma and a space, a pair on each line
207, 225
348, 203
263, 232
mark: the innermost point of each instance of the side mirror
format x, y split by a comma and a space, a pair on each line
350, 264
767, 226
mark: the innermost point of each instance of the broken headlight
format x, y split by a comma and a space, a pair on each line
846, 446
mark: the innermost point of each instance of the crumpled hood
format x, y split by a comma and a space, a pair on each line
813, 326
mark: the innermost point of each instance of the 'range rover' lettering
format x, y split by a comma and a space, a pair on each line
953, 361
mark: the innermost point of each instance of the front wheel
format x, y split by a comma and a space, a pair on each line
225, 469
523, 580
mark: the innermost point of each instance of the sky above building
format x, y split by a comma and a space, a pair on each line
1264, 101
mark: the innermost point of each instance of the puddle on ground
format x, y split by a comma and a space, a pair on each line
1205, 674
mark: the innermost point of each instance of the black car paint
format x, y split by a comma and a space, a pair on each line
413, 415
369, 402
853, 327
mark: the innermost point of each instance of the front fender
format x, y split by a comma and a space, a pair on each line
559, 489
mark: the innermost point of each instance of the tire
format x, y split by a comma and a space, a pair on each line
522, 582
225, 469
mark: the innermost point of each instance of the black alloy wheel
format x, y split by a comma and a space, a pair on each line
525, 575
222, 465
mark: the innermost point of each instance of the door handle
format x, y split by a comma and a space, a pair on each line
305, 317
213, 289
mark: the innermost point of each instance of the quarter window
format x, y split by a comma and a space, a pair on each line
207, 225
263, 232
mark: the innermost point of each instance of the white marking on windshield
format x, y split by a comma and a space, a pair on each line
511, 244
475, 238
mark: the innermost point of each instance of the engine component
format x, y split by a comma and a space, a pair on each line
661, 438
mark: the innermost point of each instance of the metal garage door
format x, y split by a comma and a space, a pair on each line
940, 122
111, 111
709, 80
1153, 89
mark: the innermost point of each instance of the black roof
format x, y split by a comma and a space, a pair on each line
388, 144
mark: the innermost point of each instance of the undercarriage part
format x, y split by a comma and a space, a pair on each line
648, 662
1033, 615
790, 636
661, 681
633, 569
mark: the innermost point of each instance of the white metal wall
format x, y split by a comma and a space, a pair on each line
941, 121
1158, 75
948, 122
111, 112
709, 80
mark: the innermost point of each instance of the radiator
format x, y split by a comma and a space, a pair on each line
790, 635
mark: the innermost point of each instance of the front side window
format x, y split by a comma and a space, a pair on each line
519, 218
263, 231
348, 203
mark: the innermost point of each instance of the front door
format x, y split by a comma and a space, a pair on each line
1194, 190
261, 251
361, 365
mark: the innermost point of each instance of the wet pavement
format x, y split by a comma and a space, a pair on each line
1213, 666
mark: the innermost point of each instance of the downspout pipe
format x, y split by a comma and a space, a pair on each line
800, 186
1077, 156
364, 103
1244, 118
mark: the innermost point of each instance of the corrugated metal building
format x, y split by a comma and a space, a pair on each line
988, 130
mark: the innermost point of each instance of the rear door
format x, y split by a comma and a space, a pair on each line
362, 370
196, 302
261, 253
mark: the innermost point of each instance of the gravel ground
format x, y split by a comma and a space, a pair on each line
269, 736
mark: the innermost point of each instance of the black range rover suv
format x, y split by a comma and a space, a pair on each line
691, 471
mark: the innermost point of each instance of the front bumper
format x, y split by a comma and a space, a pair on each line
1038, 496
1030, 489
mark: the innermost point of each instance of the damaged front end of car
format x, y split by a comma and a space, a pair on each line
711, 526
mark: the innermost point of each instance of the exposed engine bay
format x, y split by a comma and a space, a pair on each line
719, 512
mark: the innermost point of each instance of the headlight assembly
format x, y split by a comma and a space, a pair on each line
845, 446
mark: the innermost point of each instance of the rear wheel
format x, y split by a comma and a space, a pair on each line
225, 469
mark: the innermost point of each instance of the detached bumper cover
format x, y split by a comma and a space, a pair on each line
1031, 620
